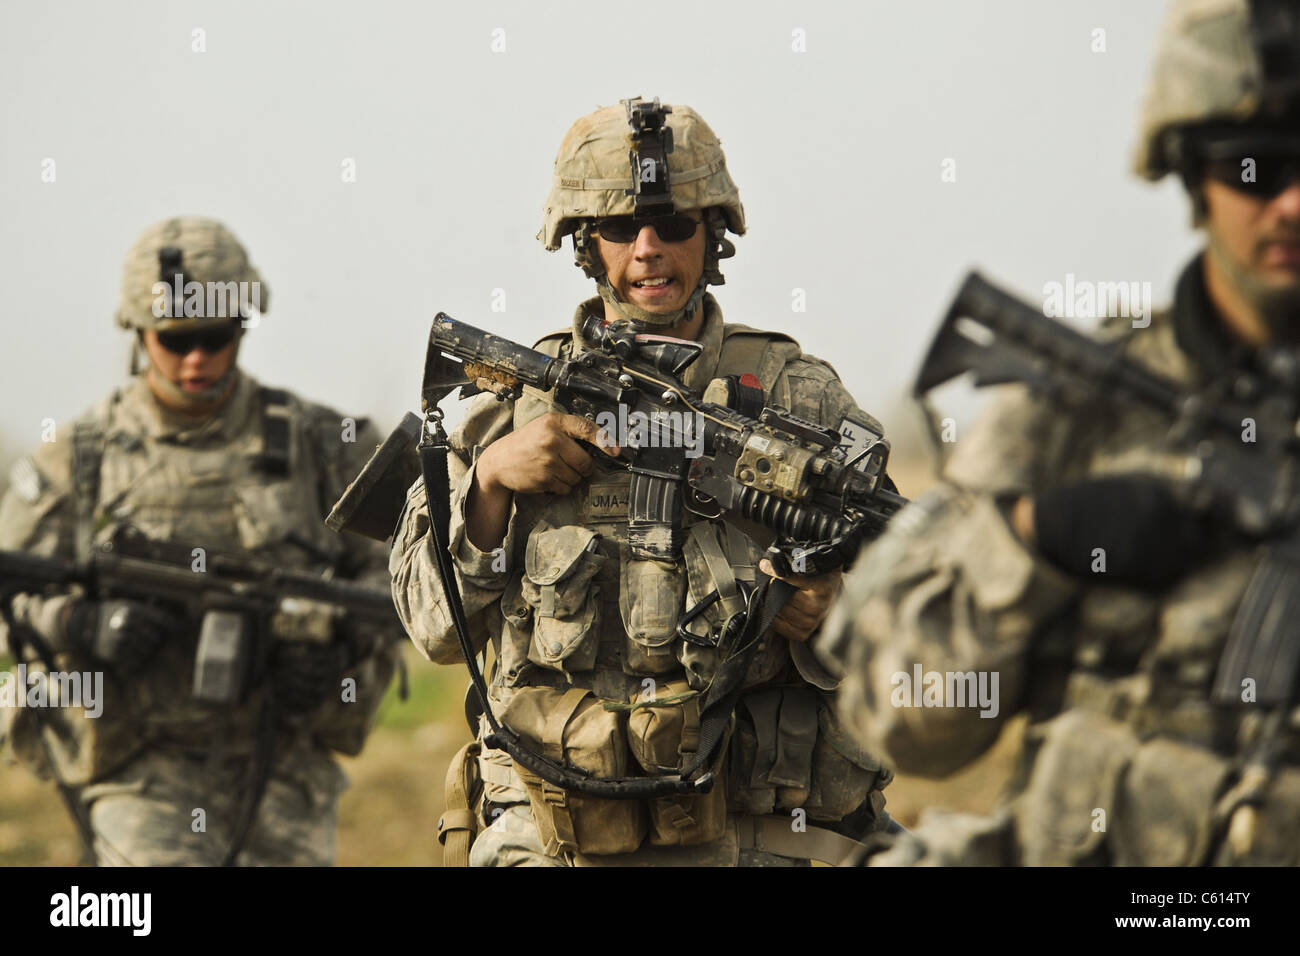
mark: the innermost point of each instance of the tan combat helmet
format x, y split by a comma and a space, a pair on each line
184, 271
1220, 63
679, 165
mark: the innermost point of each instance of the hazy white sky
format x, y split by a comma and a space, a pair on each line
837, 150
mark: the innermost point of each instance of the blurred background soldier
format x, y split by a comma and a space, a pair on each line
1131, 758
196, 453
540, 541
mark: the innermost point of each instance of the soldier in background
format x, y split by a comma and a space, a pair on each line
584, 631
1130, 758
197, 453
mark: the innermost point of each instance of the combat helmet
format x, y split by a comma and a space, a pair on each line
1223, 67
187, 270
645, 159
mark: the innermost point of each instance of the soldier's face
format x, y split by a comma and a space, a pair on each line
191, 373
637, 269
1259, 240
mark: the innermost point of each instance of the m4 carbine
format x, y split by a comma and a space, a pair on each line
821, 496
231, 594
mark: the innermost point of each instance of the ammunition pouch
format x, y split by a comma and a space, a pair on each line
559, 564
1164, 814
650, 603
789, 753
1073, 790
572, 728
663, 737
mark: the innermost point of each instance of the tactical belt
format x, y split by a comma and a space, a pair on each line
775, 835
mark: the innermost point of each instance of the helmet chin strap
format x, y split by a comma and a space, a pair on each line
203, 397
657, 320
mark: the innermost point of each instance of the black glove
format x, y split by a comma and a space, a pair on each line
305, 673
124, 634
1149, 536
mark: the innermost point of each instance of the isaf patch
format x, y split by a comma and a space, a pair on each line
26, 480
855, 438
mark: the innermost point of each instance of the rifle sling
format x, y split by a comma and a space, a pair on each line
261, 774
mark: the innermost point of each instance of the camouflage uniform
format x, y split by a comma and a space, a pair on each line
1128, 761
588, 666
156, 756
614, 619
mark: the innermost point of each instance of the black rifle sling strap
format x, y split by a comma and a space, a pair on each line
259, 775
724, 692
273, 460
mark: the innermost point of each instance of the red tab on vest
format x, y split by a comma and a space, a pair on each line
751, 380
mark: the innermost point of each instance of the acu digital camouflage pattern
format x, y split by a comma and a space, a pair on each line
1127, 760
610, 622
1206, 69
593, 176
155, 754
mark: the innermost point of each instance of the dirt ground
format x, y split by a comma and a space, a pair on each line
388, 814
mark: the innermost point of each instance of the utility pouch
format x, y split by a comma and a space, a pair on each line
516, 633
1071, 798
1164, 815
843, 773
572, 728
664, 736
772, 750
559, 564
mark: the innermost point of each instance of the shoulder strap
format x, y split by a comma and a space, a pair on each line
763, 354
89, 438
274, 459
551, 343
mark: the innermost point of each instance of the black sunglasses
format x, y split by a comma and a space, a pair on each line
207, 340
1261, 174
676, 228
1261, 165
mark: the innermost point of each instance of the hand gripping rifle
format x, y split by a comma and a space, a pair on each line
230, 594
1001, 339
822, 497
233, 595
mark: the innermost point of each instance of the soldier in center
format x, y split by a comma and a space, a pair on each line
587, 659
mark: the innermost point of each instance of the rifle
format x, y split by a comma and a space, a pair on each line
231, 593
1001, 339
724, 453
